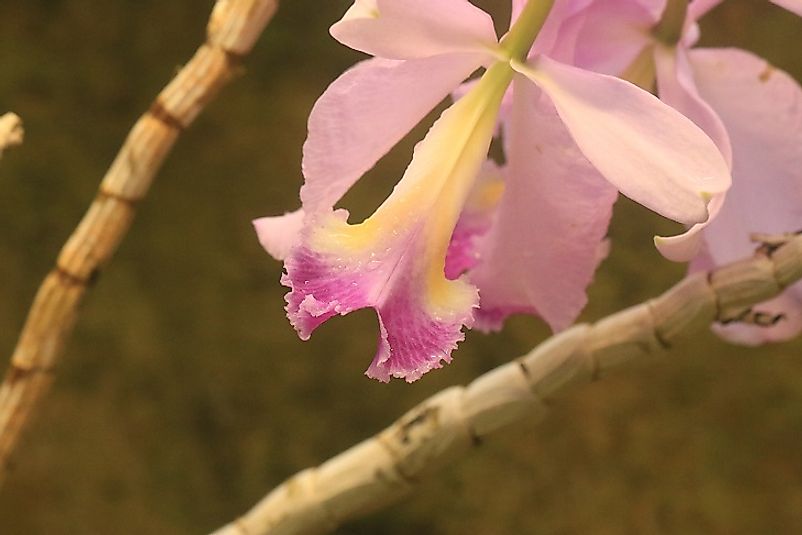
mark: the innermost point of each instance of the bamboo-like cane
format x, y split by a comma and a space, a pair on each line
232, 31
11, 131
387, 466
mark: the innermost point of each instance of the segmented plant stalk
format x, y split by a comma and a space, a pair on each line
11, 132
440, 430
232, 31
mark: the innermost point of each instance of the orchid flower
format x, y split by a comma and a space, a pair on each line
752, 111
569, 224
395, 260
544, 271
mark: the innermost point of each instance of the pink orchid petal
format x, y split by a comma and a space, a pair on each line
412, 339
649, 151
475, 220
561, 8
561, 41
613, 35
677, 88
405, 29
761, 108
794, 6
557, 37
279, 234
655, 7
517, 7
365, 112
394, 261
321, 284
544, 247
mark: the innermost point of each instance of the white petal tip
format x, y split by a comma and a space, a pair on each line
665, 248
682, 248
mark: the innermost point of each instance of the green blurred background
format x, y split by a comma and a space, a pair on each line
185, 395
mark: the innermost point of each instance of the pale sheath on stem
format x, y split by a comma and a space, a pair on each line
233, 29
388, 466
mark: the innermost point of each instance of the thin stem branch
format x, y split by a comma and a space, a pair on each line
386, 467
232, 31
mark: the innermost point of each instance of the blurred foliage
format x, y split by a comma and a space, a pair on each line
185, 395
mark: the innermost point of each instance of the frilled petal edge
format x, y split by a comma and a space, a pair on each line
336, 271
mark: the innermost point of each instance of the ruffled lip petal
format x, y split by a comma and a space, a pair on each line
405, 29
329, 277
412, 341
323, 285
394, 260
649, 151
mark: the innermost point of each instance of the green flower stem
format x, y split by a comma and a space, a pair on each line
669, 29
521, 36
